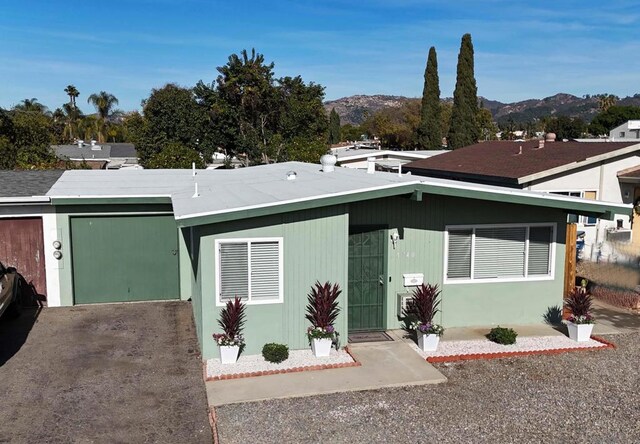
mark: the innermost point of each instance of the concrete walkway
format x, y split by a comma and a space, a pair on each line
614, 320
384, 364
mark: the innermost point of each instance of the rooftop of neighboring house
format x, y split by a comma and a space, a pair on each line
629, 174
19, 184
511, 163
208, 196
354, 153
90, 151
629, 130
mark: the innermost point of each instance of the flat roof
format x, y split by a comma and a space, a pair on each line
261, 190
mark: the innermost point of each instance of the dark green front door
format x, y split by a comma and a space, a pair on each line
124, 258
366, 280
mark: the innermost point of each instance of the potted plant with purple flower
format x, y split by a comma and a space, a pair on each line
231, 321
423, 307
580, 321
322, 312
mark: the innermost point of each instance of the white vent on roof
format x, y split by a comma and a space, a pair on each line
328, 162
80, 143
291, 175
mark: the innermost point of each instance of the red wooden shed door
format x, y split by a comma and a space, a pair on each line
22, 247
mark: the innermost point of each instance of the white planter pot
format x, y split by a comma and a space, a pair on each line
428, 343
321, 347
579, 332
229, 353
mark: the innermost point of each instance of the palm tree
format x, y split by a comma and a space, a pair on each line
104, 103
72, 92
72, 121
31, 106
606, 101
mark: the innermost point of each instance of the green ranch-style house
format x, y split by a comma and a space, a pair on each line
267, 233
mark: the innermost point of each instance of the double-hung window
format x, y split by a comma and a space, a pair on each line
485, 253
250, 269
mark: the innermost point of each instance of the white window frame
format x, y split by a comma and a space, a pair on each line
583, 220
248, 241
525, 278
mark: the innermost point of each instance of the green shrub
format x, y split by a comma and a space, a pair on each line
502, 335
275, 353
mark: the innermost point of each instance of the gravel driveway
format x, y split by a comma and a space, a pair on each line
573, 397
102, 374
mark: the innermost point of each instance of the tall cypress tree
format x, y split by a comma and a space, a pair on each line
334, 127
429, 133
463, 130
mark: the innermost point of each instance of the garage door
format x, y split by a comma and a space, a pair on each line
22, 247
124, 258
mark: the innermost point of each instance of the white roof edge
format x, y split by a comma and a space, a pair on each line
108, 196
573, 165
379, 153
528, 193
25, 199
302, 199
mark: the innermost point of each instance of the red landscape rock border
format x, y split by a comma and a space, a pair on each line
355, 363
555, 351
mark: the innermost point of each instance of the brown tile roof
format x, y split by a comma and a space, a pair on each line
502, 162
630, 173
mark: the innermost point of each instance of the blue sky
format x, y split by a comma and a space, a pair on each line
524, 49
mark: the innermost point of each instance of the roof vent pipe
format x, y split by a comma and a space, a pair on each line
540, 144
328, 162
399, 170
93, 142
193, 169
371, 165
80, 143
195, 191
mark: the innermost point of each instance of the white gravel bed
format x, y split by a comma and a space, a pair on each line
524, 344
256, 363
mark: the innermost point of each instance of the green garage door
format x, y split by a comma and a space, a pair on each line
124, 258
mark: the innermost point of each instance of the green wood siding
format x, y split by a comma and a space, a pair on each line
124, 258
314, 248
420, 249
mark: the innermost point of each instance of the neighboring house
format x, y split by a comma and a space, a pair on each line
628, 131
267, 233
112, 156
578, 169
28, 229
384, 160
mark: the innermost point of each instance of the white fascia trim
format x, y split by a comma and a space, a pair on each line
25, 200
381, 153
542, 195
108, 196
290, 201
580, 164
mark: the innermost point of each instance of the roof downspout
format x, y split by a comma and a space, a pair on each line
598, 223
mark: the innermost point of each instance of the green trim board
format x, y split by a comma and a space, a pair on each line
415, 190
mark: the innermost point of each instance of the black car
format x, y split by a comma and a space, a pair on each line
9, 291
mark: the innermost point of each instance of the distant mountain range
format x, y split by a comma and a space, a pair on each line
354, 109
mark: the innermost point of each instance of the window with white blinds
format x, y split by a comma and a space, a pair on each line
500, 252
249, 269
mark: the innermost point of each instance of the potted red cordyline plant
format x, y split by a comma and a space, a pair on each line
231, 321
322, 312
580, 321
423, 306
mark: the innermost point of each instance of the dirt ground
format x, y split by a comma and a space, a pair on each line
102, 374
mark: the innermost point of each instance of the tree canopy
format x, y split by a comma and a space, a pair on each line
429, 130
463, 130
614, 116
